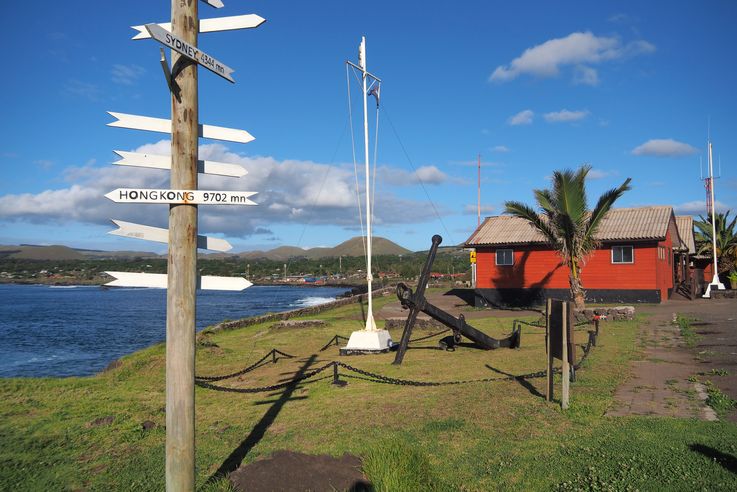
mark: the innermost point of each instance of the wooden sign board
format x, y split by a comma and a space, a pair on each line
160, 235
136, 122
555, 330
181, 197
192, 52
154, 161
159, 281
248, 21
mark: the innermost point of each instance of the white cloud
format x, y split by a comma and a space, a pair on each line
600, 174
423, 175
697, 207
473, 209
522, 118
666, 147
73, 87
289, 191
583, 75
565, 116
576, 49
126, 74
501, 148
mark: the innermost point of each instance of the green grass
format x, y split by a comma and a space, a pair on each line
479, 436
687, 331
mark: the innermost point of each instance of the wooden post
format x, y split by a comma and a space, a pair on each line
182, 264
565, 370
549, 351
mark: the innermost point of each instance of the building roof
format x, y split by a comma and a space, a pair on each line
620, 224
684, 223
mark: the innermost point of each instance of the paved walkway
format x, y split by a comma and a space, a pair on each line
659, 383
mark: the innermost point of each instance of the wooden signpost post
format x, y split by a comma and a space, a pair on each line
559, 344
182, 279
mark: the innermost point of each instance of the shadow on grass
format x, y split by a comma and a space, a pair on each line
234, 460
521, 380
727, 461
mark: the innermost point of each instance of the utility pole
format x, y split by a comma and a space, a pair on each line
182, 264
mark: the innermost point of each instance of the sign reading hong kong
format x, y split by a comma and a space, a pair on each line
193, 53
191, 197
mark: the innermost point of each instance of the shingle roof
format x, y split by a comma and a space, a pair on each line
684, 223
620, 224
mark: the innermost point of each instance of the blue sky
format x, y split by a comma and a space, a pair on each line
628, 87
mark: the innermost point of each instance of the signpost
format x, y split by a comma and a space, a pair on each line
182, 279
185, 197
159, 281
193, 53
560, 344
154, 161
135, 122
210, 25
160, 235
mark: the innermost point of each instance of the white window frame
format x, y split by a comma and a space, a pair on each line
623, 262
496, 257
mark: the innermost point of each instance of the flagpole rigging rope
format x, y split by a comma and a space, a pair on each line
355, 165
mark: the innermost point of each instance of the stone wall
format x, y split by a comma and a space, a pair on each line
265, 318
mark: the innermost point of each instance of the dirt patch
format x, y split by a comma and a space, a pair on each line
287, 471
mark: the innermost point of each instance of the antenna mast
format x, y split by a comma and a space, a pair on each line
711, 206
478, 194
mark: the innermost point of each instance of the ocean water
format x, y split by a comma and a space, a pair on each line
78, 330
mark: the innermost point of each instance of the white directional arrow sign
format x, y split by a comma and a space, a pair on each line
249, 21
159, 281
192, 52
190, 197
164, 162
218, 4
159, 235
162, 125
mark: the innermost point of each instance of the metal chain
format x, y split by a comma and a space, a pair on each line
374, 377
336, 338
246, 370
262, 389
429, 336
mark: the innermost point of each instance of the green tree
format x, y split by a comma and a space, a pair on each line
566, 221
726, 240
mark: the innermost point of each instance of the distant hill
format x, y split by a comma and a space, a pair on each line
58, 252
352, 247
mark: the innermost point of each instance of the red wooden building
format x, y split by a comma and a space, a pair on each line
641, 258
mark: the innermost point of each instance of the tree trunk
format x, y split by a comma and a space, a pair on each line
577, 293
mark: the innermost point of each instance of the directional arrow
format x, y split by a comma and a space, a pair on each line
192, 52
164, 162
249, 21
218, 4
159, 235
162, 125
159, 281
187, 197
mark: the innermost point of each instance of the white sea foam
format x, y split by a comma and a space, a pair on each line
313, 301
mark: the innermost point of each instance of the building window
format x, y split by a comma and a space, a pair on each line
505, 257
623, 254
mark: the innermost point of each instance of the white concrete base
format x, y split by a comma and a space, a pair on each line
715, 284
369, 341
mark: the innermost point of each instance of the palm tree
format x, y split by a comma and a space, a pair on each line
726, 240
566, 221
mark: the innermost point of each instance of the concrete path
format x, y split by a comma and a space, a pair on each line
664, 381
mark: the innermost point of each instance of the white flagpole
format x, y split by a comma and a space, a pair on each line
370, 323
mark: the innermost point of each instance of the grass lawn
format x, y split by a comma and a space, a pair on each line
86, 433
